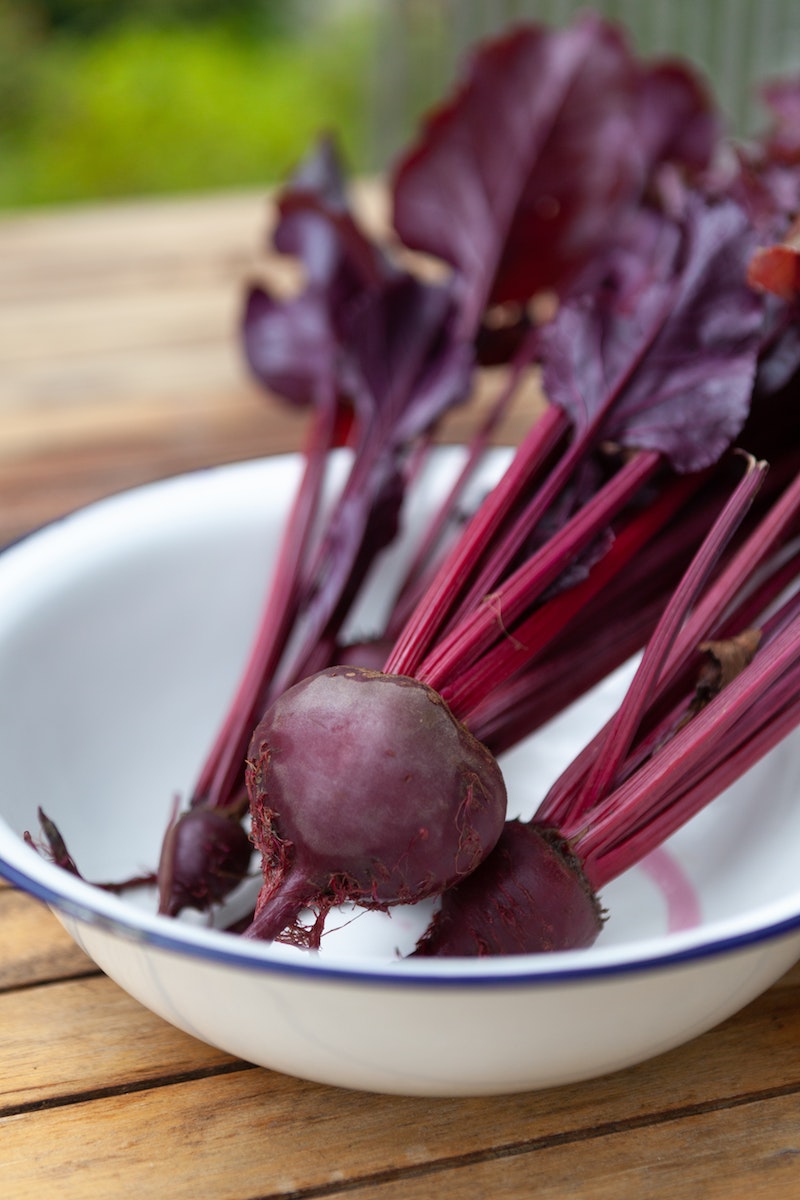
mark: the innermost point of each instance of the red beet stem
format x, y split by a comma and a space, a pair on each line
626, 721
495, 618
472, 692
418, 576
645, 799
222, 776
571, 795
436, 607
611, 626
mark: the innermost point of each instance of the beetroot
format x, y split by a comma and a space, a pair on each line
205, 854
529, 895
364, 787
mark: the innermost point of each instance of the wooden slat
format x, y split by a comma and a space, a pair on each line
128, 247
33, 946
292, 1136
100, 323
171, 394
746, 1152
146, 245
119, 352
102, 1040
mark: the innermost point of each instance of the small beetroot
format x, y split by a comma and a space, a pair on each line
205, 854
364, 787
530, 895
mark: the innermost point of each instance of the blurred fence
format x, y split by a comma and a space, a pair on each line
419, 44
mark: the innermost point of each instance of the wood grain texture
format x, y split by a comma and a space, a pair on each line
120, 357
748, 1151
33, 946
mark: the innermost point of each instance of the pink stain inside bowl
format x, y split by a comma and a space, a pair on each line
683, 904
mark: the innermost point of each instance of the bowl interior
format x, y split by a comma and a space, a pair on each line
123, 630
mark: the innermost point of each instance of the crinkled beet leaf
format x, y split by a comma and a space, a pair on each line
664, 356
520, 179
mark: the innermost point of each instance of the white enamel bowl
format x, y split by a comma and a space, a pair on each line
122, 632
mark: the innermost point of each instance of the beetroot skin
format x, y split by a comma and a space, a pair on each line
204, 856
363, 786
529, 895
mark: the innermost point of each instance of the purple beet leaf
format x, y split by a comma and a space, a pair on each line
520, 179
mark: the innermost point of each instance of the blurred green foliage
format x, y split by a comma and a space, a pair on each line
110, 98
92, 16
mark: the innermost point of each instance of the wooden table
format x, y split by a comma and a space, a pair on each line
118, 364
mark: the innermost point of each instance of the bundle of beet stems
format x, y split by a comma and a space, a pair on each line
592, 225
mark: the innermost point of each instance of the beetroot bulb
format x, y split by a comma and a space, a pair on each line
205, 853
529, 896
364, 787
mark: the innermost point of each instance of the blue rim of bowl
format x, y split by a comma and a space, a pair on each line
411, 976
